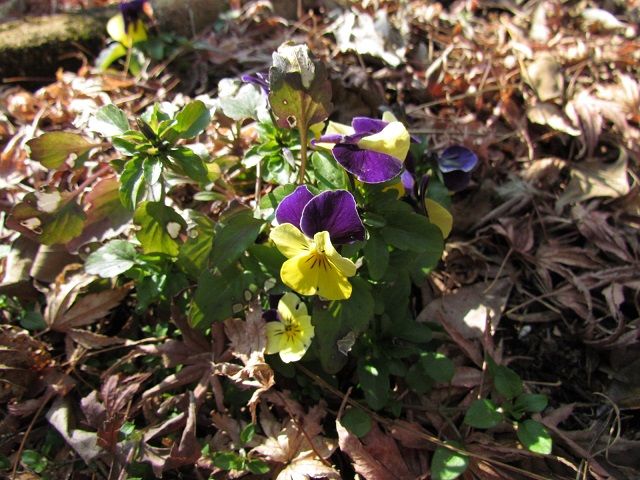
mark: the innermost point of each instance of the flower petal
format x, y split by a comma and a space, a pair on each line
345, 266
456, 180
457, 157
394, 140
275, 335
367, 166
332, 285
291, 307
294, 350
368, 125
300, 273
336, 213
289, 240
290, 208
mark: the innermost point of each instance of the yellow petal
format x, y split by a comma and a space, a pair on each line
393, 140
389, 117
289, 240
137, 32
300, 273
275, 335
294, 351
439, 216
397, 186
291, 307
333, 285
115, 28
344, 266
339, 128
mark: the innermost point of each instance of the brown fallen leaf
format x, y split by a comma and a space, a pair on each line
377, 457
544, 74
545, 113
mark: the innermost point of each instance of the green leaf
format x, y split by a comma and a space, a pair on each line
437, 366
234, 233
132, 183
483, 414
34, 461
110, 54
63, 225
109, 121
373, 377
187, 162
507, 382
329, 175
258, 467
152, 170
376, 255
531, 402
219, 295
192, 120
238, 100
247, 433
447, 464
33, 320
534, 437
300, 90
111, 259
195, 251
53, 148
228, 461
357, 421
159, 228
410, 231
5, 463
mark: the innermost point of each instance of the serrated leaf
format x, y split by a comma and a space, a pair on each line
376, 256
109, 121
357, 421
132, 183
159, 228
329, 175
300, 91
189, 163
410, 231
234, 233
217, 295
483, 413
534, 437
507, 382
192, 120
53, 148
448, 464
112, 259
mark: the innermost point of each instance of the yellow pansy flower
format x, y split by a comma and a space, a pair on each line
291, 335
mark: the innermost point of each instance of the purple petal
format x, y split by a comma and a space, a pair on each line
334, 212
368, 125
456, 180
291, 206
329, 138
131, 10
408, 181
270, 315
457, 157
368, 166
260, 78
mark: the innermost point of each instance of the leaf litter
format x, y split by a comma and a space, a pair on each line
545, 92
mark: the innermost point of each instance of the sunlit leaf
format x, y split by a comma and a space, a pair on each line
159, 228
53, 148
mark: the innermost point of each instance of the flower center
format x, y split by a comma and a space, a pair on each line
317, 258
292, 329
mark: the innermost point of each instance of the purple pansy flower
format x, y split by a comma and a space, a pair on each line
131, 11
374, 152
456, 163
331, 211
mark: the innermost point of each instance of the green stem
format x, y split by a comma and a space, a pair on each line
304, 132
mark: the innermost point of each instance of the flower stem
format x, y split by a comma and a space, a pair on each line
304, 132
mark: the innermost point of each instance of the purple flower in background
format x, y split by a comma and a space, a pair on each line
132, 10
260, 79
331, 211
375, 150
456, 163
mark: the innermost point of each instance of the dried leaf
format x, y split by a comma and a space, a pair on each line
84, 443
596, 179
544, 75
544, 113
377, 457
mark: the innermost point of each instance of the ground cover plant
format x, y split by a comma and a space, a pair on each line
401, 245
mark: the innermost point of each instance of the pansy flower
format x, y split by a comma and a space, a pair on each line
309, 227
372, 150
291, 331
127, 27
261, 79
456, 163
